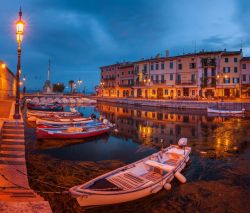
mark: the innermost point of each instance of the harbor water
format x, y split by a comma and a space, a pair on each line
218, 175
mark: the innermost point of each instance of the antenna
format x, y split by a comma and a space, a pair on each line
195, 46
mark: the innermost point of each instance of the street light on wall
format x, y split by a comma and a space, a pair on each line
19, 37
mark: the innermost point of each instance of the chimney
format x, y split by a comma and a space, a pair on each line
167, 53
225, 50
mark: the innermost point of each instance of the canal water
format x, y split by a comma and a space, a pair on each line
218, 175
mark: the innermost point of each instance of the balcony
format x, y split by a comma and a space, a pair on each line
158, 81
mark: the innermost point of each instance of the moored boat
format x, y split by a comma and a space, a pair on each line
45, 107
225, 111
63, 121
72, 132
136, 180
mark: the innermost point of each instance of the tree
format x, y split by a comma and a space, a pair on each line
71, 83
59, 87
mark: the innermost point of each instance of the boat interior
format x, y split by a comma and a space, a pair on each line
140, 173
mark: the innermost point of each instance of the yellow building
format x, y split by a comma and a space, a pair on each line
7, 82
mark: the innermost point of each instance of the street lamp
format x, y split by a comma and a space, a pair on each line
3, 66
79, 83
19, 37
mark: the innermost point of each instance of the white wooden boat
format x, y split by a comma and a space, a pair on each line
136, 180
63, 121
225, 111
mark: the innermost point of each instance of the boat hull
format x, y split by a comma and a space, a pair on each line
57, 108
219, 111
47, 134
87, 197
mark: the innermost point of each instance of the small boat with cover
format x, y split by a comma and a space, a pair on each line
136, 180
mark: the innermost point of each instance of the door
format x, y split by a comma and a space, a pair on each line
159, 93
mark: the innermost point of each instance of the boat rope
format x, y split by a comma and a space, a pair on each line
51, 184
22, 187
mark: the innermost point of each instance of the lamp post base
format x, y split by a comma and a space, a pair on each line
17, 114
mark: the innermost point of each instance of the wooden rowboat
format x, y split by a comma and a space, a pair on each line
63, 121
136, 180
72, 132
38, 113
225, 111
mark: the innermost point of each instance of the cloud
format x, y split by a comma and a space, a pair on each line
80, 36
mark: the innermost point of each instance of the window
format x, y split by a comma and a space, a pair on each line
180, 66
145, 67
244, 77
178, 78
171, 65
226, 60
236, 80
235, 60
152, 77
152, 66
166, 92
156, 66
213, 72
171, 77
235, 69
193, 92
153, 92
244, 66
227, 80
193, 78
157, 78
162, 66
122, 73
192, 65
162, 78
226, 69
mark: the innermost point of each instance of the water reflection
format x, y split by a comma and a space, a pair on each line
219, 160
148, 127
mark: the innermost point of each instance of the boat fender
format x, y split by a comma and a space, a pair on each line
156, 189
105, 121
180, 177
167, 186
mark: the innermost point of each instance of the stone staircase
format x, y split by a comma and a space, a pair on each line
15, 193
12, 148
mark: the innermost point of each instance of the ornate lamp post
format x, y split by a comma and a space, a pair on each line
19, 37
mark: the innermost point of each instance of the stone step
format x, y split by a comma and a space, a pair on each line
9, 130
11, 155
21, 153
9, 159
11, 143
13, 127
7, 162
5, 135
12, 148
12, 140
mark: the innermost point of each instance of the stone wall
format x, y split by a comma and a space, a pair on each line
7, 82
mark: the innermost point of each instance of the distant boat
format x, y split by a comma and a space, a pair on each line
72, 132
45, 107
136, 180
225, 111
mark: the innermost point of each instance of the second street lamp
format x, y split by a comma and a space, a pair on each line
19, 37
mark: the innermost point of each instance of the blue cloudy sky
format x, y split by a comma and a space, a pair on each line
81, 35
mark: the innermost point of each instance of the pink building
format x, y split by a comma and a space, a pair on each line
245, 77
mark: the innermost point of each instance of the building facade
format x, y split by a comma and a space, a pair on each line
205, 74
7, 82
